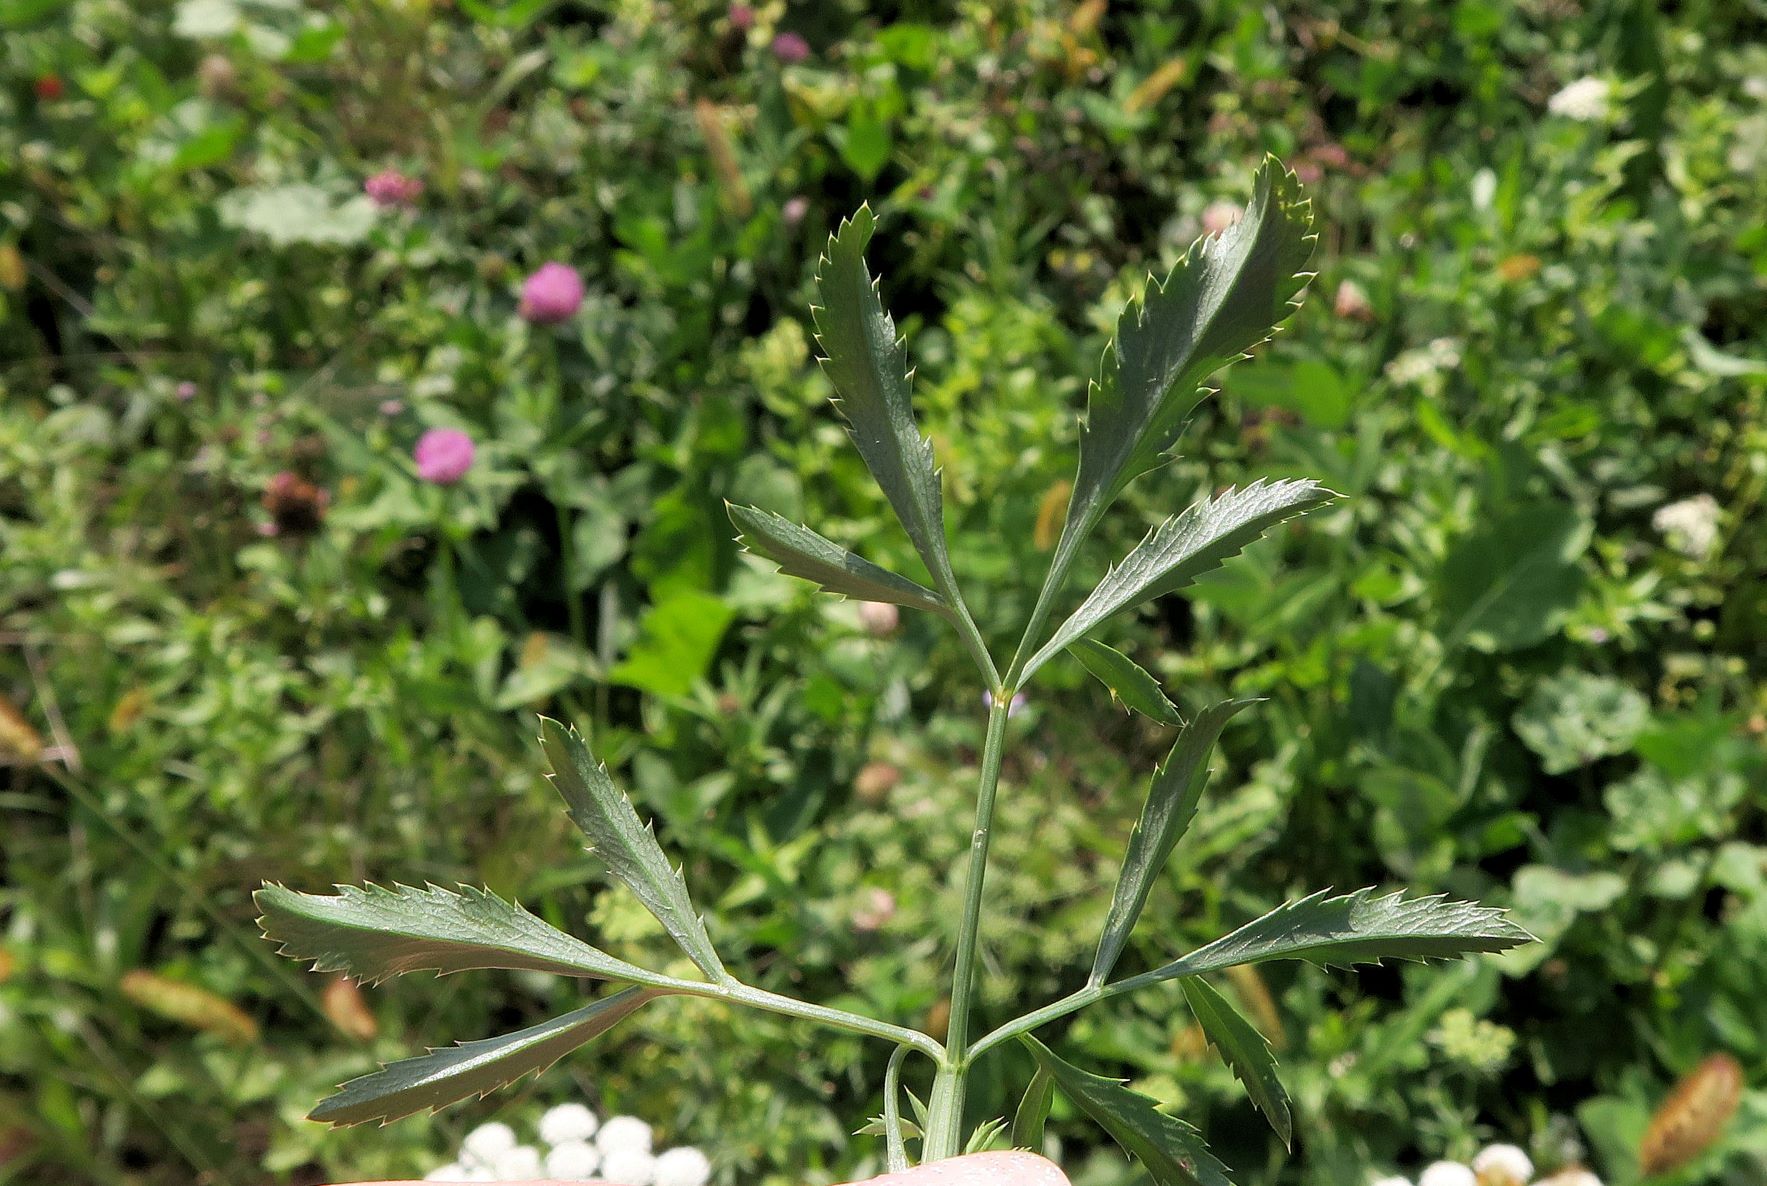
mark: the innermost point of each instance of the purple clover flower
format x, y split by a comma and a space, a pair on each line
443, 455
552, 294
390, 187
790, 48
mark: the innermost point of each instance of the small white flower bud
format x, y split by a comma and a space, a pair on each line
1503, 1165
1448, 1173
623, 1134
572, 1161
628, 1167
1571, 1177
682, 1167
453, 1172
520, 1164
565, 1123
485, 1144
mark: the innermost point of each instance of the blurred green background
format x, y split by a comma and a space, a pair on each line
1521, 660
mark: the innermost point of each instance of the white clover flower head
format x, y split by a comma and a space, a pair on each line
1423, 367
628, 1167
572, 1161
685, 1166
1586, 99
1571, 1177
1503, 1165
1448, 1173
566, 1123
485, 1144
1391, 1180
519, 1164
1484, 189
1690, 525
623, 1134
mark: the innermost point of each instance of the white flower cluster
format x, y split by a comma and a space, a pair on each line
1690, 525
1587, 99
1423, 366
574, 1147
1496, 1165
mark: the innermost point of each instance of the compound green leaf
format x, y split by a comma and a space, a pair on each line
372, 933
803, 553
625, 842
1244, 1049
1129, 683
1179, 550
450, 1074
1225, 296
868, 366
1354, 928
1172, 799
1171, 1150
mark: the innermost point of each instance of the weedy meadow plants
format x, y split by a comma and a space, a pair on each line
1225, 297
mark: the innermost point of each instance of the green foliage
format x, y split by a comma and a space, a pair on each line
1172, 801
626, 843
1181, 549
444, 1077
800, 552
1130, 685
1355, 928
1244, 1049
1223, 298
1171, 1150
866, 363
372, 933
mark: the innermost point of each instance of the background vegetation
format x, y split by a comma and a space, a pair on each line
1499, 667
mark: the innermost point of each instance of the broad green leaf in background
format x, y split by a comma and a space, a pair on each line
626, 843
866, 363
803, 553
1171, 804
1508, 583
1548, 900
1129, 683
451, 1074
1173, 554
1573, 718
1033, 1111
1244, 1049
1171, 1150
1224, 297
1354, 928
677, 639
371, 933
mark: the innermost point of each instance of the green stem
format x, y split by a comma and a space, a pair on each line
895, 1148
1048, 1013
567, 563
1066, 549
945, 1108
974, 643
771, 1002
